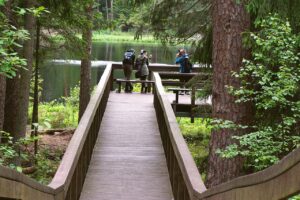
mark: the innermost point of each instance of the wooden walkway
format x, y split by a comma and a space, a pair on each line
128, 161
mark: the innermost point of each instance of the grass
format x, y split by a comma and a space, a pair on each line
197, 136
123, 37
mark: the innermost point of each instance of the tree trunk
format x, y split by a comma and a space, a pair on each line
106, 5
17, 90
111, 10
2, 100
230, 20
35, 109
85, 71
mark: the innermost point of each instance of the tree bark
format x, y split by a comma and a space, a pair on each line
35, 109
106, 5
2, 100
230, 20
85, 71
17, 90
111, 10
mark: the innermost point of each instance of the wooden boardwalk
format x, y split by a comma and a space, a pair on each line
128, 161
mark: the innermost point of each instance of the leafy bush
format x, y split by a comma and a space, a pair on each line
197, 136
270, 81
10, 38
60, 114
47, 162
14, 153
19, 155
297, 197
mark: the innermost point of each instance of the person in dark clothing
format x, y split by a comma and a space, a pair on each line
128, 63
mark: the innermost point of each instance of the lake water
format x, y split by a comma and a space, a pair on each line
59, 76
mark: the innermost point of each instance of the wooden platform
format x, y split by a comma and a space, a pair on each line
128, 161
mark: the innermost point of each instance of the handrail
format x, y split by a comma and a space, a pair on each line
69, 178
152, 67
279, 181
184, 176
74, 164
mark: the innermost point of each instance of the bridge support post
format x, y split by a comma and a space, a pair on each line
193, 102
112, 80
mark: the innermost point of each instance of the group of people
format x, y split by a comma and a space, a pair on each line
141, 64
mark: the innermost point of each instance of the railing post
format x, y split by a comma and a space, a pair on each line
112, 80
193, 99
149, 78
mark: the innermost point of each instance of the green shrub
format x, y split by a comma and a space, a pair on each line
47, 162
297, 197
197, 136
14, 153
270, 81
59, 114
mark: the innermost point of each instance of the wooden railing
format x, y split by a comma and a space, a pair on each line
170, 71
184, 176
279, 181
69, 178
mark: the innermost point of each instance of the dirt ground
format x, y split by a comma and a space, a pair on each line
55, 140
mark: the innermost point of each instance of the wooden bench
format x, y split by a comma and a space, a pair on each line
172, 83
175, 103
120, 81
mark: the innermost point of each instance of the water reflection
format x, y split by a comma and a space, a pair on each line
60, 76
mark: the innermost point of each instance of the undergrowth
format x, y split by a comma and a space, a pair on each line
60, 113
19, 155
197, 136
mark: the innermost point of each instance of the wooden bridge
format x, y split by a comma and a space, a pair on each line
130, 147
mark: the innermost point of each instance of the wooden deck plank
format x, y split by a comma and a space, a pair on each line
128, 161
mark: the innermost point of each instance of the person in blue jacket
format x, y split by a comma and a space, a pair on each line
182, 59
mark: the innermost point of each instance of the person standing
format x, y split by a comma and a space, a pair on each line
128, 63
143, 63
182, 58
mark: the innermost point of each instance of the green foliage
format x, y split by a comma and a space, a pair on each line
197, 136
13, 153
285, 8
7, 149
176, 23
10, 38
116, 36
47, 162
126, 15
202, 81
40, 89
18, 155
60, 113
271, 82
137, 87
297, 197
2, 2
